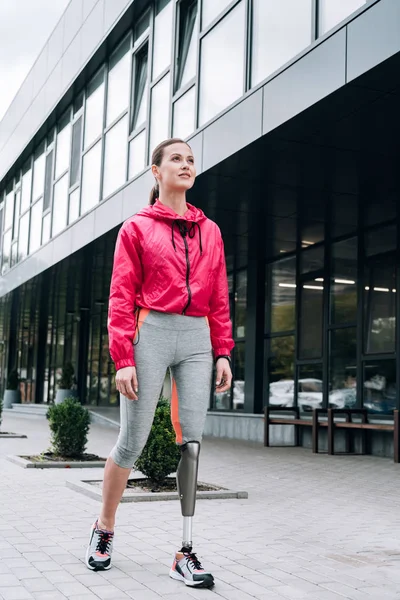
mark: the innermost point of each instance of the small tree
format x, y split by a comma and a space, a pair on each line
69, 424
67, 379
161, 455
13, 380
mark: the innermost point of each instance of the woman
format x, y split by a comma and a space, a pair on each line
168, 308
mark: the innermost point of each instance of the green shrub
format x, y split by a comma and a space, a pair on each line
161, 455
69, 425
67, 378
13, 380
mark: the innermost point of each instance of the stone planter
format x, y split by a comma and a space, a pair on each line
63, 394
11, 397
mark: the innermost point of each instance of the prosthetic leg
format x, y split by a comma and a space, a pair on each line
186, 479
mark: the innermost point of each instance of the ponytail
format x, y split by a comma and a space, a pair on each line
154, 194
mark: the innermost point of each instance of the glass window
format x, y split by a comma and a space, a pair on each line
379, 393
312, 259
280, 31
115, 157
26, 187
91, 178
76, 151
159, 112
380, 306
78, 103
1, 227
240, 304
344, 282
94, 109
380, 241
118, 82
60, 205
23, 236
9, 215
17, 213
142, 25
184, 114
74, 205
281, 371
239, 376
35, 237
140, 90
48, 180
309, 388
344, 219
6, 251
331, 12
221, 79
343, 368
162, 37
380, 207
211, 10
63, 150
282, 295
39, 166
14, 257
137, 154
187, 47
310, 320
46, 228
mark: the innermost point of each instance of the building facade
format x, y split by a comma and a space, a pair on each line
290, 108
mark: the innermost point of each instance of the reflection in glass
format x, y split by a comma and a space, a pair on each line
60, 205
282, 295
26, 187
380, 386
48, 180
91, 174
343, 368
23, 236
211, 9
344, 282
312, 259
46, 228
239, 376
74, 205
221, 80
118, 82
382, 240
310, 320
380, 306
6, 251
241, 304
281, 371
17, 213
35, 237
14, 257
9, 207
115, 157
140, 91
344, 214
184, 117
159, 112
310, 388
331, 12
280, 31
137, 154
76, 151
186, 61
94, 109
38, 176
63, 149
162, 37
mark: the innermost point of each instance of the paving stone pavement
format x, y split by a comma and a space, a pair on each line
314, 527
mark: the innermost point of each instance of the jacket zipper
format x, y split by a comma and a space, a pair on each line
187, 276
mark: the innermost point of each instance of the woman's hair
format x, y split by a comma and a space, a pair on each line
156, 159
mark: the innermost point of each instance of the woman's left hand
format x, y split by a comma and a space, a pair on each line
223, 380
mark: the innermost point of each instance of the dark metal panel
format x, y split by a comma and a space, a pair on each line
316, 75
233, 131
373, 37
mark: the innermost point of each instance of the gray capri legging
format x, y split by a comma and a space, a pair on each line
167, 340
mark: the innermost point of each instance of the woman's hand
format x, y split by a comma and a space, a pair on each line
127, 383
223, 380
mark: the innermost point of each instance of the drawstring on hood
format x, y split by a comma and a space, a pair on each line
183, 229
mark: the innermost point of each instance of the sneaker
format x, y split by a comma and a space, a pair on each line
187, 568
98, 553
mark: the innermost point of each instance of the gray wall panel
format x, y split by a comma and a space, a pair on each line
316, 75
73, 18
92, 30
233, 131
82, 232
71, 61
136, 195
39, 71
108, 214
87, 6
55, 45
373, 37
53, 87
112, 10
62, 246
196, 144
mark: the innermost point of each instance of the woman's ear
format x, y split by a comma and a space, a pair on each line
154, 170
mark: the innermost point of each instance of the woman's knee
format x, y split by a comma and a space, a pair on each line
124, 457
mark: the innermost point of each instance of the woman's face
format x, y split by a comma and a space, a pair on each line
177, 171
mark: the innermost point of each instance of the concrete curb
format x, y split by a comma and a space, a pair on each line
12, 435
29, 464
130, 496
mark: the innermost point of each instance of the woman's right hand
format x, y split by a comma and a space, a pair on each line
127, 383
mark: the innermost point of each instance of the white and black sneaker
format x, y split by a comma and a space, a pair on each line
187, 568
98, 553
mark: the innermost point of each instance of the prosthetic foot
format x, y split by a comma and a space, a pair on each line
186, 566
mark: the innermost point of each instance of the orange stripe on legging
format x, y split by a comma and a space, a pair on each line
175, 413
143, 314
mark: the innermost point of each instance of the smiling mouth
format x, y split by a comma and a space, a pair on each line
185, 175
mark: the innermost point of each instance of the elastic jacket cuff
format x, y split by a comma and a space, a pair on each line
125, 362
223, 356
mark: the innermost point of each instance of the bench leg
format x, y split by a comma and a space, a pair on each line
315, 432
266, 426
396, 437
331, 449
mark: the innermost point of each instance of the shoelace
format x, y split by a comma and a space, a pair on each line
103, 545
192, 558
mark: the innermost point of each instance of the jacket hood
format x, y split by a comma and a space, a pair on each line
165, 213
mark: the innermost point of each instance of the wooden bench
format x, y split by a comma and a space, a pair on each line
362, 425
295, 421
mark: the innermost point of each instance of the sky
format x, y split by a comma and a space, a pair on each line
25, 26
